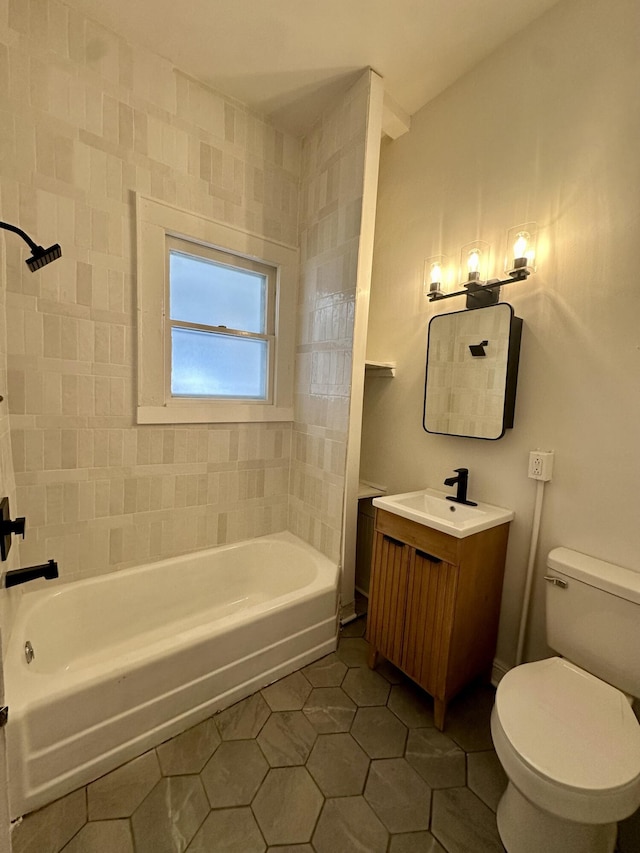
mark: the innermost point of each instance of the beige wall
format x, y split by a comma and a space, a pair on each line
545, 129
333, 157
86, 120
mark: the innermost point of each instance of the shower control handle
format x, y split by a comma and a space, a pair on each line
9, 527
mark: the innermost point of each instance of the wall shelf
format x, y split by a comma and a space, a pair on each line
370, 490
381, 369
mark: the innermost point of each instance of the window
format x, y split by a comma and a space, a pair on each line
216, 311
221, 324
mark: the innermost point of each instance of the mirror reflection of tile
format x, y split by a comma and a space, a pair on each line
466, 394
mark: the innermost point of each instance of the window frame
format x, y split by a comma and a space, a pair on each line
232, 261
157, 223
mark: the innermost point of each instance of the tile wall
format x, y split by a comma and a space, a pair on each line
330, 213
86, 120
10, 598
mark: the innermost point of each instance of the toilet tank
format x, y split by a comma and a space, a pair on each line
594, 621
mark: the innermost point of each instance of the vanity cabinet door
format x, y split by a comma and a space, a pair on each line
434, 604
431, 598
388, 596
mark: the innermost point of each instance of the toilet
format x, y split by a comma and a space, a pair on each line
563, 728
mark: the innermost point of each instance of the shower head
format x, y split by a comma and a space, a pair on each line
40, 257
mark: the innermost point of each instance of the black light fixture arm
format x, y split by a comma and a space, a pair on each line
483, 294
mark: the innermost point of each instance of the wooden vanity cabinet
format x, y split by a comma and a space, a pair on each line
434, 603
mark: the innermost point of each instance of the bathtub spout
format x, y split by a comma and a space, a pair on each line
49, 571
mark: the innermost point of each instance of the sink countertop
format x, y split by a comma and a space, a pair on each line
432, 509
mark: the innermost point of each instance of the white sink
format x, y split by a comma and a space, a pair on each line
431, 508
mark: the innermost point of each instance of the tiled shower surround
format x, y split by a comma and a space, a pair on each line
87, 121
331, 197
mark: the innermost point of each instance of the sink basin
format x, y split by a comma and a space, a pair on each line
431, 508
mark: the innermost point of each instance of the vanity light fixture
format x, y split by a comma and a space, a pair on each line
434, 275
40, 256
473, 260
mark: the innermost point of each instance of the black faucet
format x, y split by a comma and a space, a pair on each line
463, 481
49, 571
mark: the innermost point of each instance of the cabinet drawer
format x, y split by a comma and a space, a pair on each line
433, 542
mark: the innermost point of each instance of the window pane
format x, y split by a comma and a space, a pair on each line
202, 291
204, 364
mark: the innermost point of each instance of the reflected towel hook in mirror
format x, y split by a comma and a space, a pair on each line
478, 350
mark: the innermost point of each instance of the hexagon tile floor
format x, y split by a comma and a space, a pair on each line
334, 758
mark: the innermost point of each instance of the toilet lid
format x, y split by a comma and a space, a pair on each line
569, 726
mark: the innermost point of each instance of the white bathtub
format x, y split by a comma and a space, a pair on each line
127, 660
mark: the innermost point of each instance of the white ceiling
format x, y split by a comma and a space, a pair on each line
289, 58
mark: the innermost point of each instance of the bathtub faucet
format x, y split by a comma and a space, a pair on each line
463, 481
49, 571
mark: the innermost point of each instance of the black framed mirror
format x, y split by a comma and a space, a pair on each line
472, 372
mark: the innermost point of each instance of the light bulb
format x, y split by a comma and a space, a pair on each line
521, 249
434, 271
473, 264
521, 244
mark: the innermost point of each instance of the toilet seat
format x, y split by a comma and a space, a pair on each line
570, 742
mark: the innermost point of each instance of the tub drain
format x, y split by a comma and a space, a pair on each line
28, 652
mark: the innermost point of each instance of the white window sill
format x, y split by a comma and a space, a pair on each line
213, 414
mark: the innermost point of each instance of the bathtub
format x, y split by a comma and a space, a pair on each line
126, 660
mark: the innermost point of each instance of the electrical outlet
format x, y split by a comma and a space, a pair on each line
540, 464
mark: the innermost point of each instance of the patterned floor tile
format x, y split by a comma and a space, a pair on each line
190, 751
118, 794
338, 765
366, 687
461, 822
485, 777
411, 705
244, 719
415, 842
329, 709
356, 628
170, 816
234, 773
439, 761
353, 651
379, 732
398, 795
310, 764
286, 738
288, 694
349, 824
469, 718
287, 806
329, 671
102, 836
49, 829
231, 830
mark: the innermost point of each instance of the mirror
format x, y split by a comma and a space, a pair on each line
472, 371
